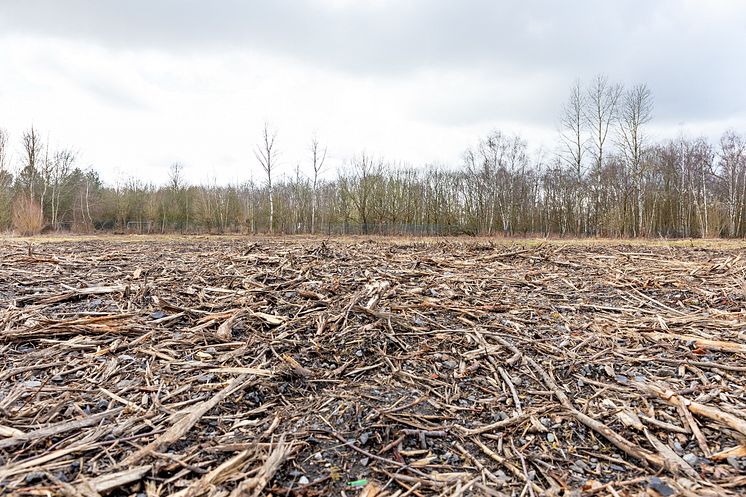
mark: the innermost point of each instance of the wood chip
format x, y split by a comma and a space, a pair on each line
305, 366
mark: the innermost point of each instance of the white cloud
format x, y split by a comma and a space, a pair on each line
137, 85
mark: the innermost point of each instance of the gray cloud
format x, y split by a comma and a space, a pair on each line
360, 37
485, 61
691, 65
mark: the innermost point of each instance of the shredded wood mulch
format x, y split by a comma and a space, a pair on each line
239, 367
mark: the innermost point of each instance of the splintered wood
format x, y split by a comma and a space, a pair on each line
373, 368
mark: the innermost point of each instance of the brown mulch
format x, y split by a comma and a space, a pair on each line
371, 368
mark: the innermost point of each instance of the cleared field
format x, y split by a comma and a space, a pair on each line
371, 367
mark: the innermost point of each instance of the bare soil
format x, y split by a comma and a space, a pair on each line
376, 367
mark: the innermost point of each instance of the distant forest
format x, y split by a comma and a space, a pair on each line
607, 178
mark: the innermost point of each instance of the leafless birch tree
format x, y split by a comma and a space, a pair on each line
266, 154
600, 113
574, 139
62, 164
732, 172
635, 112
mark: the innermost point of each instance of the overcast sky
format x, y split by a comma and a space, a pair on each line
135, 85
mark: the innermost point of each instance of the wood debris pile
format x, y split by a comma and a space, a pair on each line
371, 368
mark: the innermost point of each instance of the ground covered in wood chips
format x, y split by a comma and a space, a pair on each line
307, 367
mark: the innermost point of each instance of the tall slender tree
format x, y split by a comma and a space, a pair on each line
732, 173
635, 112
574, 139
602, 102
62, 164
266, 153
318, 157
31, 160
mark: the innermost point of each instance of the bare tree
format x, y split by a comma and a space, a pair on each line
178, 196
266, 154
601, 107
46, 177
366, 172
635, 112
317, 162
572, 129
574, 138
175, 176
32, 150
732, 159
61, 166
602, 103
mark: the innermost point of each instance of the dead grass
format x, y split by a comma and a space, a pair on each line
28, 219
713, 243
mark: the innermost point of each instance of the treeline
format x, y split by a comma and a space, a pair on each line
608, 178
